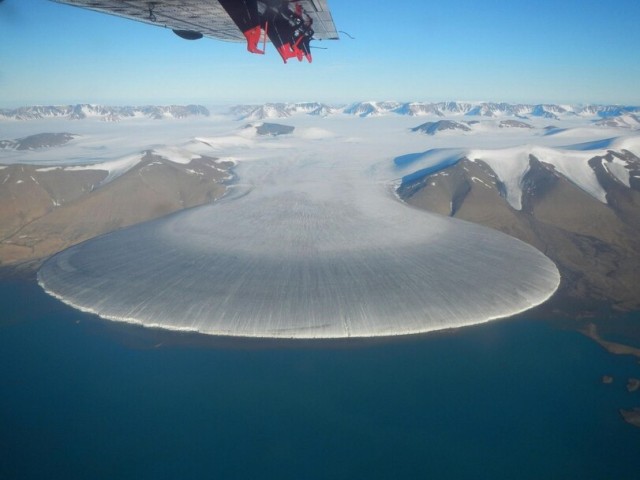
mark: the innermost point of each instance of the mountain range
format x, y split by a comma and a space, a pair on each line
102, 112
440, 109
607, 115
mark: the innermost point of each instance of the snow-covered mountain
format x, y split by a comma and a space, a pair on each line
102, 112
369, 109
360, 109
628, 120
441, 109
281, 110
416, 109
514, 124
261, 112
431, 128
270, 129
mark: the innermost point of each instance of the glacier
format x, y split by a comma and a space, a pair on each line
290, 264
310, 243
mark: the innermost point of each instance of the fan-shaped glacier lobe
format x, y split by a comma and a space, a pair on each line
303, 260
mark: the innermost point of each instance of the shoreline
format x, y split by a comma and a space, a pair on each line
591, 331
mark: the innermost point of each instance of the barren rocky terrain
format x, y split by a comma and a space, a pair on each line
45, 210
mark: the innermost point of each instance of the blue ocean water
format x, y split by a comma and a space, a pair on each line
80, 399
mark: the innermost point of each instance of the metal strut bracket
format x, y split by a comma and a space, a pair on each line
152, 16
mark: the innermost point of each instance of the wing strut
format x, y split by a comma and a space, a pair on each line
288, 29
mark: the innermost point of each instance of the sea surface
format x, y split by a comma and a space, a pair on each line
82, 398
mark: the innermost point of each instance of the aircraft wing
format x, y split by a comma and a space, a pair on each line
323, 24
206, 17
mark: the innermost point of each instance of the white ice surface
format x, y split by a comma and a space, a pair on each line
510, 164
630, 143
115, 168
175, 154
618, 170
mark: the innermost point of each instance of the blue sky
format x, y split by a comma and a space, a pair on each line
574, 51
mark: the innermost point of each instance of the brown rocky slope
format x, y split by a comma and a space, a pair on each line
45, 210
594, 244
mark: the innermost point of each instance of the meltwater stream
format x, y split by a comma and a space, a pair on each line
312, 250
